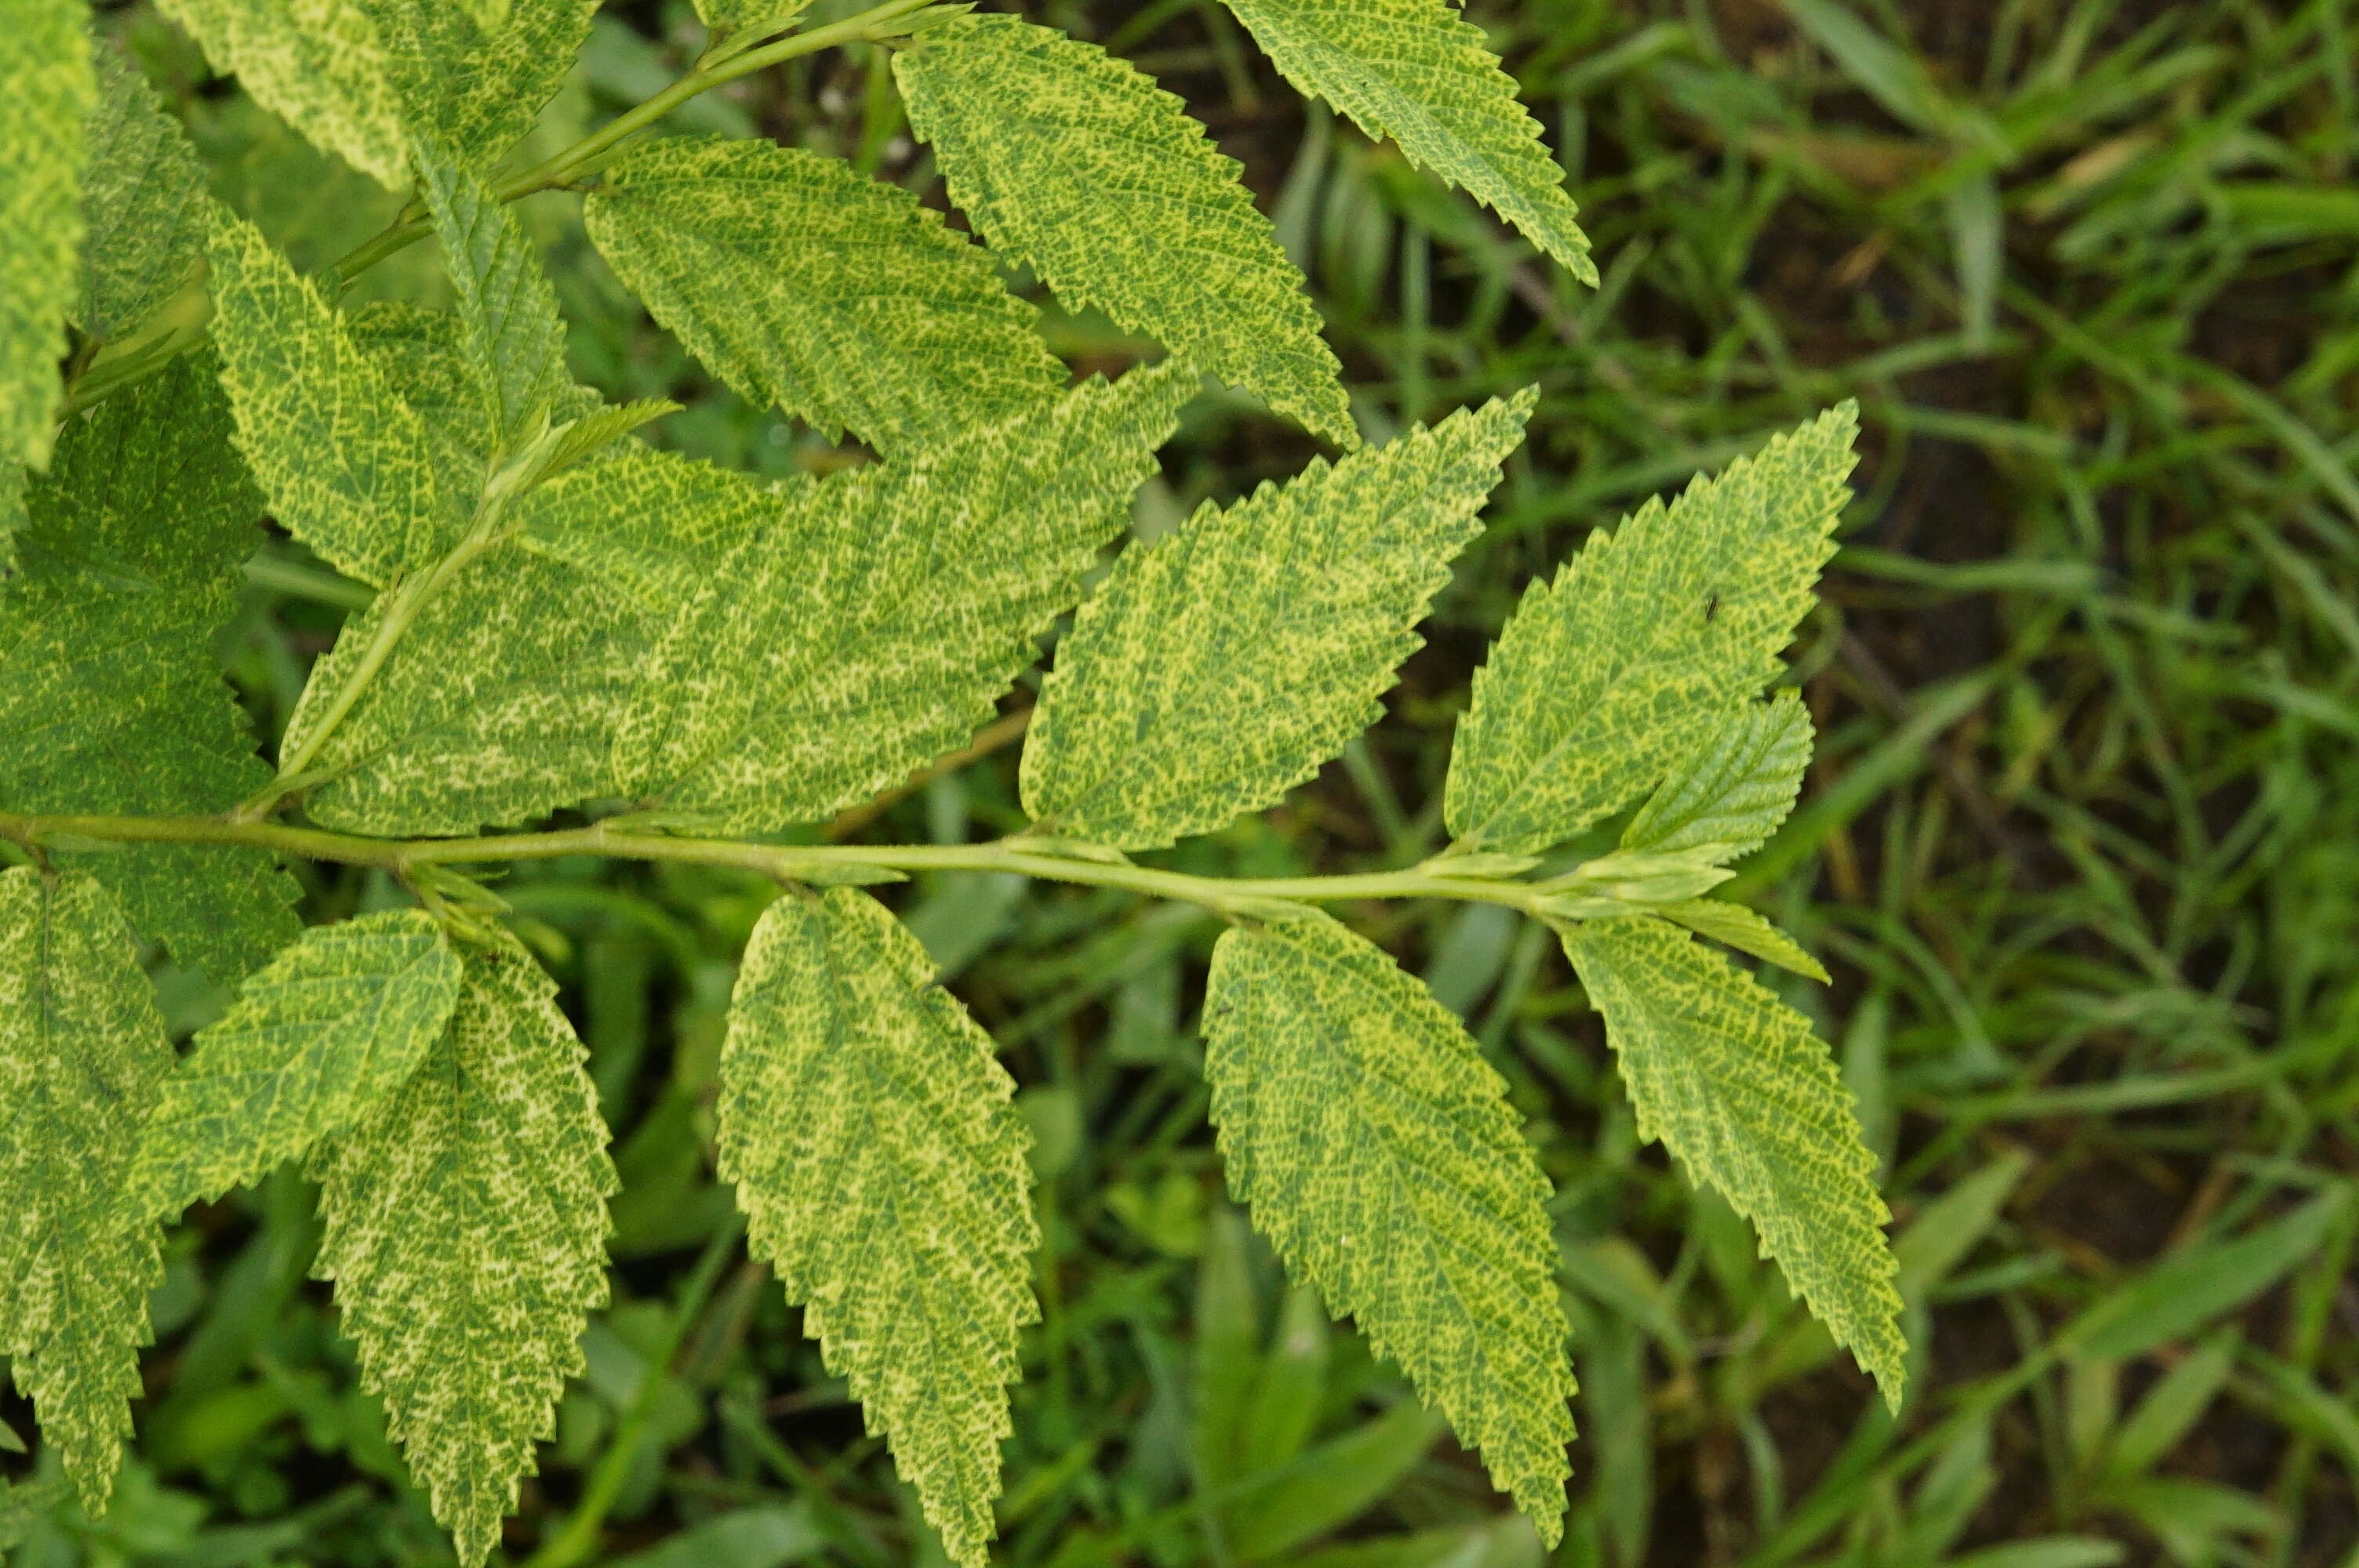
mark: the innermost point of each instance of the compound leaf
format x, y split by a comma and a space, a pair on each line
345, 462
142, 203
1219, 666
1377, 1151
317, 64
514, 337
478, 76
1735, 787
872, 626
1421, 73
1605, 677
45, 84
109, 686
1071, 162
1731, 1080
803, 283
868, 1125
465, 1232
81, 1050
338, 1022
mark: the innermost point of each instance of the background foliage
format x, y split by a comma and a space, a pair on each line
2079, 847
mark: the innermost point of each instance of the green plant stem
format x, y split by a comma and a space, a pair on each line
578, 157
410, 226
823, 862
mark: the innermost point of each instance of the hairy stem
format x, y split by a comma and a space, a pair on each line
819, 862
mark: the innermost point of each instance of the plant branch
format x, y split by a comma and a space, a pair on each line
792, 863
577, 158
409, 225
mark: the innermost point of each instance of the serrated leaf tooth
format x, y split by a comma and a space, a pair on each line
1376, 1149
110, 688
343, 459
477, 75
336, 1022
804, 284
143, 199
83, 1051
1735, 787
868, 1125
465, 1233
873, 625
319, 64
1602, 680
1419, 72
1070, 161
1221, 665
1732, 1081
516, 340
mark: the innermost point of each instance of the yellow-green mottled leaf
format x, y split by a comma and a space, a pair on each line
803, 283
426, 357
1219, 666
868, 1125
503, 699
142, 203
576, 440
423, 354
81, 1050
495, 708
476, 77
338, 1022
1378, 1153
1734, 788
1735, 925
1731, 1080
465, 1232
492, 710
1068, 161
514, 340
344, 461
46, 91
110, 689
1421, 73
655, 527
1606, 677
317, 64
311, 205
872, 626
758, 16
